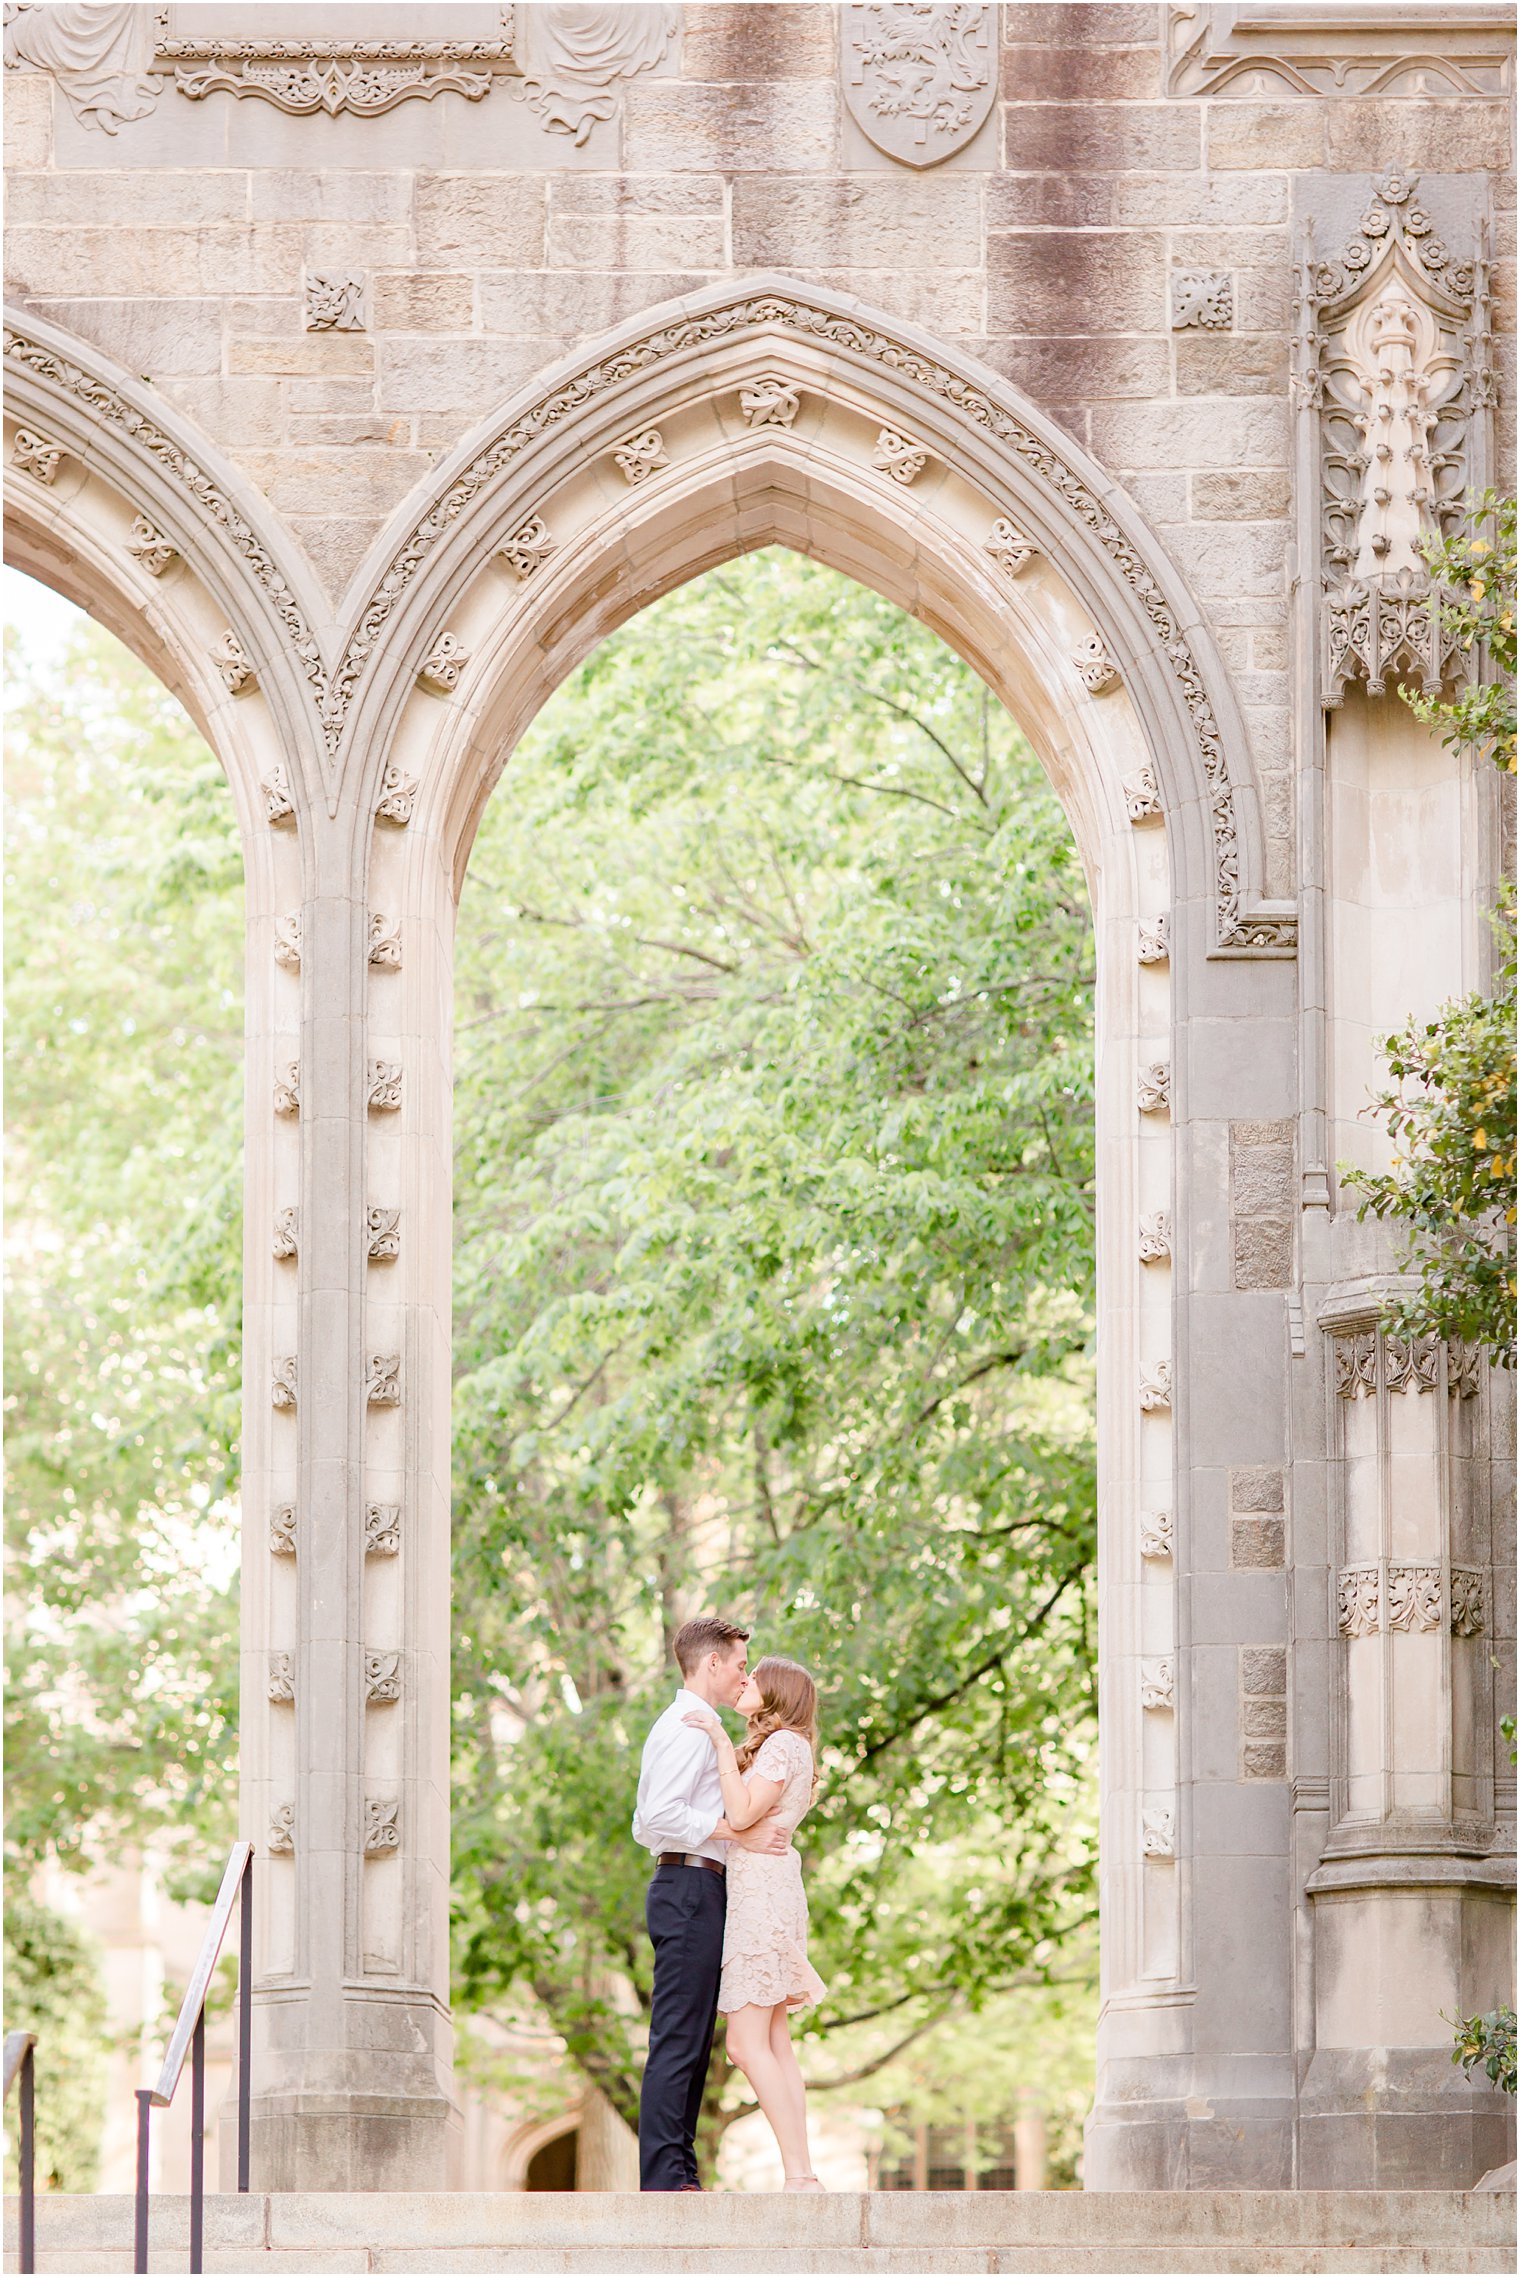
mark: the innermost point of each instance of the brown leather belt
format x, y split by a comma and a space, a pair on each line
689, 1858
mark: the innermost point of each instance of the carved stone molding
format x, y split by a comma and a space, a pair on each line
1008, 546
398, 795
1412, 1363
1158, 1831
1366, 1357
528, 548
282, 1829
282, 1676
383, 1228
1155, 1534
287, 1231
381, 1830
642, 455
1142, 800
919, 82
1261, 53
769, 402
899, 456
1414, 1597
1358, 1598
1155, 1236
382, 1379
287, 941
279, 806
283, 1383
306, 76
232, 661
1356, 1365
1204, 298
1153, 1088
1157, 1682
337, 300
1155, 1385
282, 1530
384, 942
382, 1085
1469, 1601
1154, 943
382, 1676
382, 1529
445, 660
1373, 1597
149, 548
287, 1088
1095, 668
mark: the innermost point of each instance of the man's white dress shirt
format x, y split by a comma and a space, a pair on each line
680, 1797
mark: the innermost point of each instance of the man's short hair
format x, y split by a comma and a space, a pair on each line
694, 1640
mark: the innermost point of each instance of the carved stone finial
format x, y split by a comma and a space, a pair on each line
769, 401
149, 548
528, 548
336, 301
642, 455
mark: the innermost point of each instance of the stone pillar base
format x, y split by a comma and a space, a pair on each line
1398, 2119
310, 2141
1139, 2137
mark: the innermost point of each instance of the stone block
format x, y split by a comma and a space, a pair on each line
1183, 435
1263, 1759
670, 127
1240, 495
1051, 201
637, 241
868, 222
1082, 72
1263, 1180
1101, 370
335, 193
146, 201
950, 301
165, 337
1290, 134
736, 44
479, 220
1223, 363
1107, 138
335, 544
1262, 1250
455, 375
1264, 1719
1079, 23
1257, 1487
636, 193
574, 302
345, 482
1234, 557
308, 353
1257, 1543
240, 412
1201, 201
1269, 648
415, 301
347, 428
1070, 283
28, 120
1263, 1670
1460, 135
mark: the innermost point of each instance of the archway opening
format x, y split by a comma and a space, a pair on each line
775, 1285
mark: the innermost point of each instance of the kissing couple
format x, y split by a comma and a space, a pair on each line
726, 1912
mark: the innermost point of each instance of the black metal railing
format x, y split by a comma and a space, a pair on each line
19, 2047
190, 2034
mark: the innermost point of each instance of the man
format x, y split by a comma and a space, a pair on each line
679, 1816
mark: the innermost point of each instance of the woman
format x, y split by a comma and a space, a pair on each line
766, 1971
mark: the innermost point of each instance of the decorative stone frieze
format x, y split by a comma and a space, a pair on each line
918, 82
1356, 1365
1414, 1597
445, 660
1154, 941
282, 1676
287, 1088
303, 76
1155, 1534
36, 456
337, 300
1155, 1385
528, 548
232, 661
383, 1085
1469, 1601
1155, 1236
1336, 48
149, 548
1153, 1088
1204, 298
287, 1231
382, 1379
769, 402
283, 1384
1412, 1363
398, 794
1158, 1831
1464, 1369
1142, 799
384, 942
382, 1529
1407, 1364
642, 455
287, 941
381, 1828
383, 1228
1358, 1600
1008, 546
279, 806
1157, 1682
1095, 668
382, 1677
282, 1829
899, 456
282, 1530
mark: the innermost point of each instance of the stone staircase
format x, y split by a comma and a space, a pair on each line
460, 2232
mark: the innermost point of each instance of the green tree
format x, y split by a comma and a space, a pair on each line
53, 1987
1450, 1106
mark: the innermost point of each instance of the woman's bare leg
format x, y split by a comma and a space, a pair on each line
791, 2072
750, 2046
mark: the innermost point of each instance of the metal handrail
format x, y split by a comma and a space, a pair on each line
19, 2047
189, 2035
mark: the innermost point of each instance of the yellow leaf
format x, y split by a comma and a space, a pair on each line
1480, 1142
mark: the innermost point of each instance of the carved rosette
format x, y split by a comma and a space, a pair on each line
282, 1829
382, 1085
282, 1530
1155, 1534
384, 942
149, 548
382, 1379
769, 402
287, 1231
383, 1228
641, 456
528, 548
282, 1677
1155, 1386
382, 1529
1153, 945
1142, 800
1155, 1237
1009, 547
1153, 1088
899, 456
1158, 1682
381, 1830
382, 1677
1358, 1599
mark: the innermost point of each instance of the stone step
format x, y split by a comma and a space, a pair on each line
456, 2233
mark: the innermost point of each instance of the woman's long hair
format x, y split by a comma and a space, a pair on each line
788, 1702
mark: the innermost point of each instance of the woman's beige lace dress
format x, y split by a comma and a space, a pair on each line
765, 1956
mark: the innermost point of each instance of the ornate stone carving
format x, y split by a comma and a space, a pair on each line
528, 548
1261, 54
1142, 800
445, 660
382, 1676
1155, 1534
282, 1829
384, 941
304, 76
1154, 946
1469, 1610
282, 1676
101, 56
398, 794
282, 1389
279, 806
1358, 1600
287, 941
1412, 1363
382, 1080
1008, 546
899, 456
1158, 1837
381, 1832
1157, 1681
769, 402
1153, 1088
1096, 669
232, 662
1393, 364
1356, 1365
149, 548
382, 1380
1414, 1597
642, 455
282, 1530
919, 82
287, 1231
36, 456
1464, 1369
1155, 1386
1155, 1236
1202, 297
572, 59
287, 1088
336, 301
382, 1529
384, 1231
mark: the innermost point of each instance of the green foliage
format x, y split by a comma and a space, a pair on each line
1490, 2041
774, 1290
54, 1987
1450, 1107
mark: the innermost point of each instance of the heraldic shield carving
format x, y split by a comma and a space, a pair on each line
918, 81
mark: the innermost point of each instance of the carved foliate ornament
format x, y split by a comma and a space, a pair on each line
283, 1384
1155, 1237
1469, 1614
282, 1676
231, 660
445, 660
1142, 800
1412, 1363
1155, 1534
899, 456
282, 1530
382, 1379
336, 301
287, 942
1154, 944
1096, 669
1414, 1597
149, 548
398, 793
382, 1085
1314, 47
528, 548
381, 1831
36, 456
769, 402
642, 455
1153, 1088
305, 76
919, 82
279, 806
383, 1228
382, 1529
287, 1231
1008, 546
382, 1676
282, 1828
1157, 1682
287, 1088
1202, 297
1155, 1386
1358, 1600
384, 941
1158, 1831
